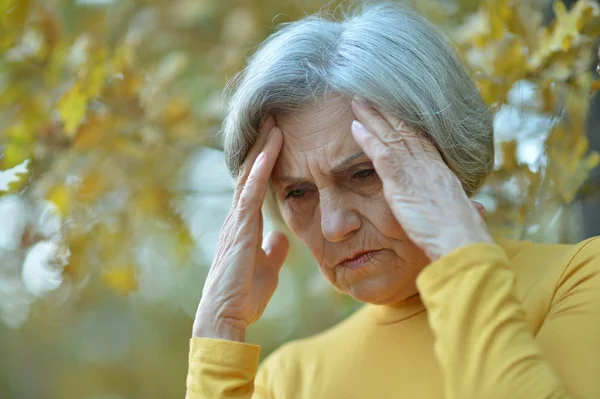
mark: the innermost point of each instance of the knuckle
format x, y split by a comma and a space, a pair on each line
399, 125
241, 179
243, 208
393, 139
245, 214
384, 155
378, 119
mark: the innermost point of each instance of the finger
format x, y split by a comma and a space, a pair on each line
408, 134
375, 123
260, 227
254, 189
385, 162
276, 247
480, 208
418, 143
267, 124
430, 148
267, 274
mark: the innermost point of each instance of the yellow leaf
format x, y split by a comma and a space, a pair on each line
6, 5
89, 135
526, 23
509, 155
513, 63
153, 200
581, 147
124, 84
499, 12
122, 58
566, 31
592, 160
493, 91
176, 111
72, 107
91, 186
14, 13
121, 279
19, 132
95, 81
49, 26
185, 242
15, 178
17, 185
77, 246
15, 153
60, 196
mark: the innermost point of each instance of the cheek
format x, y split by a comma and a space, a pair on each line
384, 221
379, 214
305, 225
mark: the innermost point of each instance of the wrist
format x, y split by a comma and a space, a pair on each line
229, 330
456, 242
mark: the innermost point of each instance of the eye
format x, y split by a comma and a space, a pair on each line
296, 193
363, 174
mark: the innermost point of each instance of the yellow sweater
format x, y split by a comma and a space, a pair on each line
513, 320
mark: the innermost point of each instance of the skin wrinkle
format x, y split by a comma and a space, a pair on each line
336, 169
340, 214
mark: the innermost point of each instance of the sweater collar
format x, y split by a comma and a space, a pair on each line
386, 314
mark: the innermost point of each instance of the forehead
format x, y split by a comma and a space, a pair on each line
319, 131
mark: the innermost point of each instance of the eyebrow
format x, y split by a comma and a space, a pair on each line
336, 169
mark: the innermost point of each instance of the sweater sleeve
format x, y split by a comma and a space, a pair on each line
220, 369
483, 342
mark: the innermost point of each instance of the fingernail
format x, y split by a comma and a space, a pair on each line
272, 130
359, 132
358, 126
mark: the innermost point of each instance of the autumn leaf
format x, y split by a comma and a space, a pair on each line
14, 154
76, 266
14, 13
120, 278
72, 108
15, 179
95, 81
90, 134
91, 186
500, 12
61, 197
512, 63
566, 31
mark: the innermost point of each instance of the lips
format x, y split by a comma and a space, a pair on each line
358, 260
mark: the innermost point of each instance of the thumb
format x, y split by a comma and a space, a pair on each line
480, 208
276, 247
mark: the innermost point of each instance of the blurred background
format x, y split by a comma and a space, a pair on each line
113, 187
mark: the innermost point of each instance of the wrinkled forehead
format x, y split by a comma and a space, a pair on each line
319, 131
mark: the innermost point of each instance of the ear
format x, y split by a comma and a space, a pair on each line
480, 208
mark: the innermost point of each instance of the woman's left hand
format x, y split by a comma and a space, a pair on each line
424, 195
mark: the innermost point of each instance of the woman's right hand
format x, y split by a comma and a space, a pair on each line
245, 271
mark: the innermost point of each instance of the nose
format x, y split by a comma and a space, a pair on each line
338, 220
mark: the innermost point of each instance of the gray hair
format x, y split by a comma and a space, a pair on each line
388, 54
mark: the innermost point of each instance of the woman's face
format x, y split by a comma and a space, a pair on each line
331, 198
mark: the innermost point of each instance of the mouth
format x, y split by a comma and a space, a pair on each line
358, 260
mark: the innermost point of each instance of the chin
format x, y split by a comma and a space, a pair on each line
381, 290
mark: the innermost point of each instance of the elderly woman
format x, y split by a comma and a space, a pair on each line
369, 138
